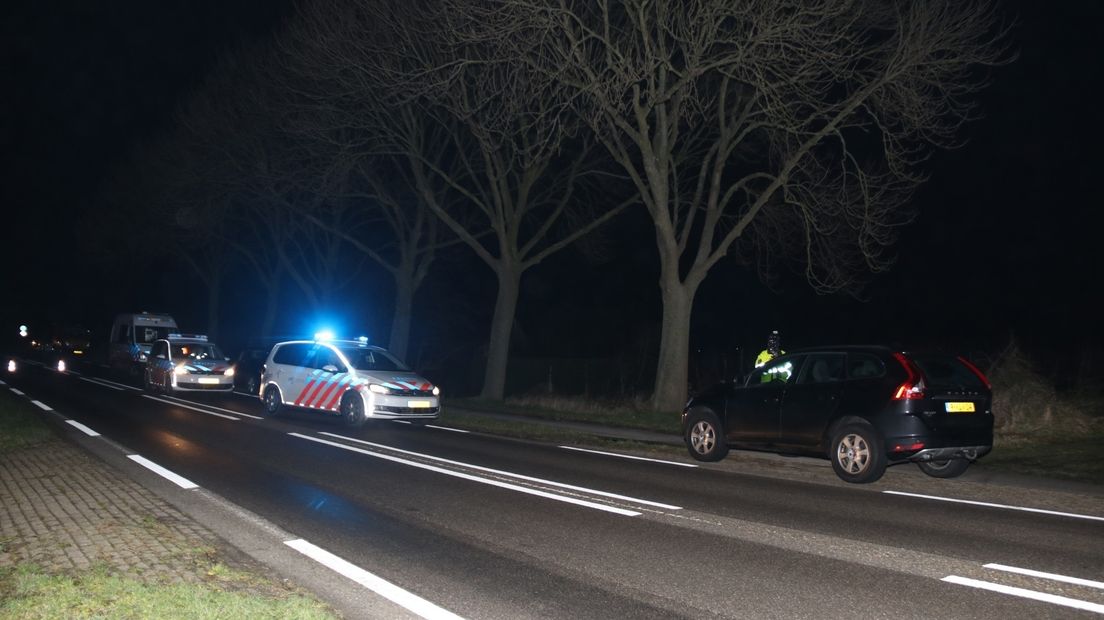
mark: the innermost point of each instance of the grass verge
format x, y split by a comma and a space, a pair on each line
28, 592
620, 413
20, 426
1077, 458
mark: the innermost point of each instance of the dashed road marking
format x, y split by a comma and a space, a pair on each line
101, 384
629, 456
1002, 506
169, 402
41, 405
177, 479
1051, 576
84, 429
1054, 599
193, 402
16, 392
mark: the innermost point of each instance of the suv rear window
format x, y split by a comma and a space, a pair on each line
292, 354
945, 371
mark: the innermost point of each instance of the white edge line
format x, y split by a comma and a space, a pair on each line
447, 428
193, 402
101, 384
169, 402
1004, 506
1022, 592
380, 586
72, 372
180, 481
121, 385
495, 483
41, 405
1052, 576
16, 392
84, 429
2, 383
511, 474
629, 456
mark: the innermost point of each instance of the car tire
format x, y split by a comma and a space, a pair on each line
950, 468
251, 385
352, 409
273, 402
705, 439
857, 453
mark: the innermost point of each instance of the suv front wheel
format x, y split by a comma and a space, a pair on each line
857, 453
704, 437
352, 409
273, 402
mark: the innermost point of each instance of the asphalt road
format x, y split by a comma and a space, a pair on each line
438, 521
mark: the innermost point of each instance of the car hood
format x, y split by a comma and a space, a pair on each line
211, 366
396, 380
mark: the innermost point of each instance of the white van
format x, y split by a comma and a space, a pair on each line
131, 337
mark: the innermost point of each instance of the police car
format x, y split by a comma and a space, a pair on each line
349, 378
187, 362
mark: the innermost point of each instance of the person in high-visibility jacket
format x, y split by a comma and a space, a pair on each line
773, 350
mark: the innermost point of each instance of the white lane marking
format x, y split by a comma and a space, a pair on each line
16, 392
447, 428
384, 588
41, 405
83, 428
1004, 506
1022, 592
181, 481
629, 456
2, 383
102, 384
495, 483
1052, 576
509, 474
169, 402
72, 372
184, 400
122, 385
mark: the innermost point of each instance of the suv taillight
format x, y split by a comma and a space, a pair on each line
913, 387
980, 375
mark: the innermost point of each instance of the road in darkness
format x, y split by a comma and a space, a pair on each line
493, 528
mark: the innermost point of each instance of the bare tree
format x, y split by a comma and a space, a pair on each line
765, 128
515, 160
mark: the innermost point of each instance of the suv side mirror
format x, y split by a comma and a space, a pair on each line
161, 356
329, 368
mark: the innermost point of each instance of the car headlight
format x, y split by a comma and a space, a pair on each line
436, 391
61, 365
378, 389
180, 370
11, 365
141, 357
229, 372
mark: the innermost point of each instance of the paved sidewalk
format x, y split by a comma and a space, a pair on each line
65, 510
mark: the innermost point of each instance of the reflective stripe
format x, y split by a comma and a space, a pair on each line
332, 404
333, 383
309, 400
303, 393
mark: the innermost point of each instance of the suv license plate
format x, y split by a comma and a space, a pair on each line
959, 407
418, 404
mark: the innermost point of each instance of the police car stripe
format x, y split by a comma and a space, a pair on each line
314, 377
337, 397
312, 400
331, 386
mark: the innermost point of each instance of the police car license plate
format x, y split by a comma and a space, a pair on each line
959, 407
418, 404
206, 380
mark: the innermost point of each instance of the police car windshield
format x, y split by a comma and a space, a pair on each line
195, 351
371, 359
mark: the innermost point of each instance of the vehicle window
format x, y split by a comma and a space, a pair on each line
326, 356
145, 334
158, 348
195, 351
372, 359
822, 368
946, 371
778, 372
292, 354
864, 366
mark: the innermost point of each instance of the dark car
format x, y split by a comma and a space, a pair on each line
248, 365
861, 407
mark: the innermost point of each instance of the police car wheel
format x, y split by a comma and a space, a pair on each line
146, 383
272, 401
352, 409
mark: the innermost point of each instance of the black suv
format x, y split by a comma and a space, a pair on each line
863, 407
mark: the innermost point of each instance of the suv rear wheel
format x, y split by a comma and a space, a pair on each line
857, 453
704, 437
950, 468
273, 402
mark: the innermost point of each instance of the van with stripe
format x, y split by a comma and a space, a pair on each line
348, 378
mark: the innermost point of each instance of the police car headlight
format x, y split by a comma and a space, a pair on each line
180, 370
141, 357
436, 391
378, 389
11, 365
61, 365
229, 372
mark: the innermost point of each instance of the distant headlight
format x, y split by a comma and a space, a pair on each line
11, 365
436, 391
61, 366
180, 370
378, 389
229, 372
141, 357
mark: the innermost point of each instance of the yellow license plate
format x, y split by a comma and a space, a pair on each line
210, 380
418, 404
959, 407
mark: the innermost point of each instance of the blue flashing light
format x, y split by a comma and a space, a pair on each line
363, 340
324, 335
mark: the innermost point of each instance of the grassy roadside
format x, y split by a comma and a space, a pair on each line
212, 589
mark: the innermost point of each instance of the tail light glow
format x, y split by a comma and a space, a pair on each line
980, 375
913, 387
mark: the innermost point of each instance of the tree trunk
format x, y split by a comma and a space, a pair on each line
498, 349
399, 340
674, 342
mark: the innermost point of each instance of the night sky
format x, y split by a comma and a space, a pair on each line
1006, 243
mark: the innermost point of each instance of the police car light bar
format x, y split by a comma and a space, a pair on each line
202, 337
324, 335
